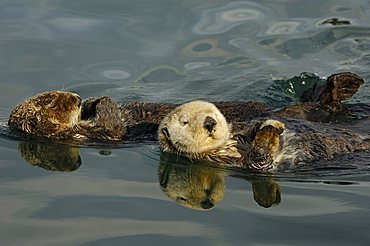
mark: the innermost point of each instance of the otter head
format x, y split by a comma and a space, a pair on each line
193, 128
47, 114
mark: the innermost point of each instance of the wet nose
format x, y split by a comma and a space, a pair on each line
209, 124
207, 204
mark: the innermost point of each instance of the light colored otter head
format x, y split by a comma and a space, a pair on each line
193, 128
47, 114
192, 186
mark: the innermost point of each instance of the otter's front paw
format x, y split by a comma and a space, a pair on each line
265, 144
105, 114
267, 137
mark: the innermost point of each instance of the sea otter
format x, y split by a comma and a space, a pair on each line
102, 119
61, 115
198, 130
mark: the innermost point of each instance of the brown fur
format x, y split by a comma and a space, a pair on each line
58, 115
47, 114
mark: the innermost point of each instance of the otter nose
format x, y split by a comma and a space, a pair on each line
207, 204
209, 123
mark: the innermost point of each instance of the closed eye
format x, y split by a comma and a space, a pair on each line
181, 199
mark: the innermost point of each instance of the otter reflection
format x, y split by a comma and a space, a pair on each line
51, 156
193, 186
200, 186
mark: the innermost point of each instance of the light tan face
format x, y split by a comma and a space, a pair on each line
47, 112
193, 127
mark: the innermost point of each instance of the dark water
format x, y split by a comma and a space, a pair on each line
174, 51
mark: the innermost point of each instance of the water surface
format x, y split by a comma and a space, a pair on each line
175, 51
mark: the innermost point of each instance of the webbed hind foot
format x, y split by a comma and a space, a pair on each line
339, 87
323, 103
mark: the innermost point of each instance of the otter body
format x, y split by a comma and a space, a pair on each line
60, 115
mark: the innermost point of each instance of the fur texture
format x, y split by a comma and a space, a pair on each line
198, 130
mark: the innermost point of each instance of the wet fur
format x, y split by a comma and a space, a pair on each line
59, 115
52, 114
182, 132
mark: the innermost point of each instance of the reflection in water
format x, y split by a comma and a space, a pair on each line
266, 192
50, 156
196, 185
201, 187
193, 186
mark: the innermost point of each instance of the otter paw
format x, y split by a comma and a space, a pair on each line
267, 138
103, 111
339, 87
105, 115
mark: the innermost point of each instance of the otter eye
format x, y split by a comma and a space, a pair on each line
181, 199
184, 120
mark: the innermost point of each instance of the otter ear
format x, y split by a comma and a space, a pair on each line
165, 132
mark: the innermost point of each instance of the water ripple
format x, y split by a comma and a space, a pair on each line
223, 19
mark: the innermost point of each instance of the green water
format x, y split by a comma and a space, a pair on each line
175, 51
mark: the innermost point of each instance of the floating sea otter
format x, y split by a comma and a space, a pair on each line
60, 115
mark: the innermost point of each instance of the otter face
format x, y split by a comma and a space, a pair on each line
193, 128
47, 113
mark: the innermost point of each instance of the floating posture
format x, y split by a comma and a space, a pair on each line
61, 115
261, 143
